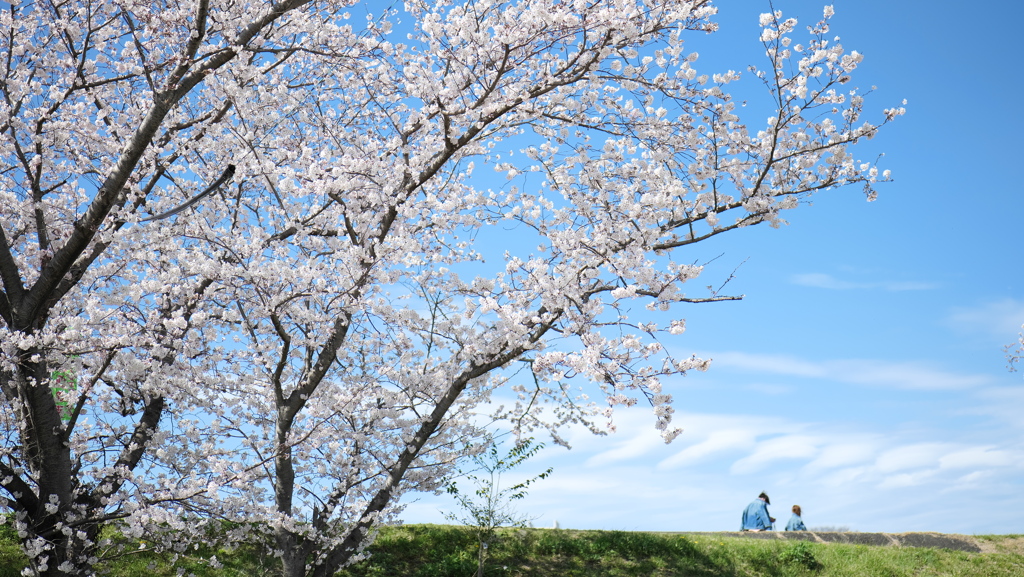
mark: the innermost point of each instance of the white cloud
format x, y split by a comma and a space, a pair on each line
868, 475
904, 375
921, 463
774, 364
632, 448
913, 456
779, 448
844, 478
909, 375
978, 457
827, 281
770, 389
587, 483
1001, 318
1001, 404
843, 454
715, 435
976, 480
875, 479
729, 440
907, 479
822, 280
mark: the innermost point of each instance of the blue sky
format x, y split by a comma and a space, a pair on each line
863, 376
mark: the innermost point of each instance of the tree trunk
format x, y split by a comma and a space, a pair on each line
293, 557
70, 550
49, 459
293, 550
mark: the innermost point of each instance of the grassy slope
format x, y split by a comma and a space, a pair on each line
443, 551
438, 551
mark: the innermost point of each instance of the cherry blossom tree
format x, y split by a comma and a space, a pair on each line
107, 114
248, 250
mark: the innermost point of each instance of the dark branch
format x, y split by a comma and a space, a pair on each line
226, 176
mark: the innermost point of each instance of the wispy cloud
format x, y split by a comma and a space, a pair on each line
827, 281
770, 389
777, 449
1002, 318
844, 453
974, 457
1001, 404
631, 448
725, 441
904, 375
907, 479
914, 456
949, 464
870, 479
711, 436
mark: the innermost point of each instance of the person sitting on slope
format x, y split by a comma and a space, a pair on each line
756, 517
795, 522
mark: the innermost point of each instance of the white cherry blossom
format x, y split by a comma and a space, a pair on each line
285, 263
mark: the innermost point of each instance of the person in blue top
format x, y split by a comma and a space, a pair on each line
756, 517
795, 522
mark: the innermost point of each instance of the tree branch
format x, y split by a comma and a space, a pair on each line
228, 173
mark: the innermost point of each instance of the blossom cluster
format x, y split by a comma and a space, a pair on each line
291, 266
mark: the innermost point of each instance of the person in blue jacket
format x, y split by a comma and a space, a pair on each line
756, 517
795, 522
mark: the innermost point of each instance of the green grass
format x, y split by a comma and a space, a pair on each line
139, 559
443, 551
11, 558
446, 551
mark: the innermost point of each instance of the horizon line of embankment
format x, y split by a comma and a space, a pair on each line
932, 540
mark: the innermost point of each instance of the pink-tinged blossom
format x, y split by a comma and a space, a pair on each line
256, 248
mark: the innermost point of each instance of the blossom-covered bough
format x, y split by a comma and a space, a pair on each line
298, 256
1015, 351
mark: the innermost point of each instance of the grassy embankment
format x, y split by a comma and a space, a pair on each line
443, 551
